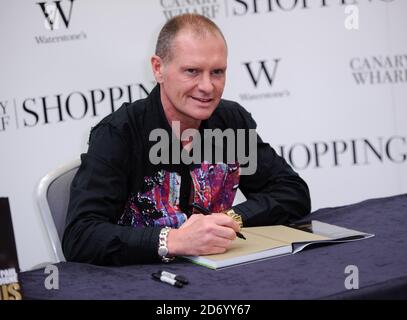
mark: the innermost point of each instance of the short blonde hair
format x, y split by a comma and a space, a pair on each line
198, 24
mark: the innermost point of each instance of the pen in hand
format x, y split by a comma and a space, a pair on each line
207, 212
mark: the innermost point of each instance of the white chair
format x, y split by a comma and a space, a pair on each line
53, 197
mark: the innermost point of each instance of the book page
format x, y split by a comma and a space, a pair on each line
283, 233
253, 243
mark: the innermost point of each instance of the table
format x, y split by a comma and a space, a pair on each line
317, 273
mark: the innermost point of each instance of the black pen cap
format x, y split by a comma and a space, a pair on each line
182, 279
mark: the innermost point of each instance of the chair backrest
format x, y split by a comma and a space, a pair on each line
53, 197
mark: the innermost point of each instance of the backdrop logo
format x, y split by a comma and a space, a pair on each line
262, 69
54, 13
77, 105
345, 152
208, 8
4, 115
262, 76
250, 7
375, 70
58, 18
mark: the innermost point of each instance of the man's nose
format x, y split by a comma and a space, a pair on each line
205, 83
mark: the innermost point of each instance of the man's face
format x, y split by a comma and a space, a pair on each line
192, 82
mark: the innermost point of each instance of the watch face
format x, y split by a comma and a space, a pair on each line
162, 251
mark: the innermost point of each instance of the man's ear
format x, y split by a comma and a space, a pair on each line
157, 66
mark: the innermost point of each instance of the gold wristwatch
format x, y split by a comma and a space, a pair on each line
237, 217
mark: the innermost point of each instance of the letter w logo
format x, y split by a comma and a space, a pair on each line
261, 70
52, 12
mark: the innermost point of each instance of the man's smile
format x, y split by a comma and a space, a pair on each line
204, 100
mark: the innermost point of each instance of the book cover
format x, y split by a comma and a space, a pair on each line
10, 288
273, 241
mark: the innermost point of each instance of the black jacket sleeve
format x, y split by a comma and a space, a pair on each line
98, 194
275, 193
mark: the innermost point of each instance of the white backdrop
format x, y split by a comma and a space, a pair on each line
330, 98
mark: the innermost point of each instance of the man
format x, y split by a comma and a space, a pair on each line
127, 209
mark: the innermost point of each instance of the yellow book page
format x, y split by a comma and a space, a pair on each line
254, 243
282, 233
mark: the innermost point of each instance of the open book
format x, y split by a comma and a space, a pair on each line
270, 241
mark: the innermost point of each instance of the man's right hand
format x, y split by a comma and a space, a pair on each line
202, 235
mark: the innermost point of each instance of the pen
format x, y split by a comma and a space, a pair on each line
162, 278
207, 212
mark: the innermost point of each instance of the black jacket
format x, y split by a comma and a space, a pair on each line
120, 201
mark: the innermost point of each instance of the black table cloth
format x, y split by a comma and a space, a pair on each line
316, 273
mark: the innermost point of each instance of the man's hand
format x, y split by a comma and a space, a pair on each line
202, 235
